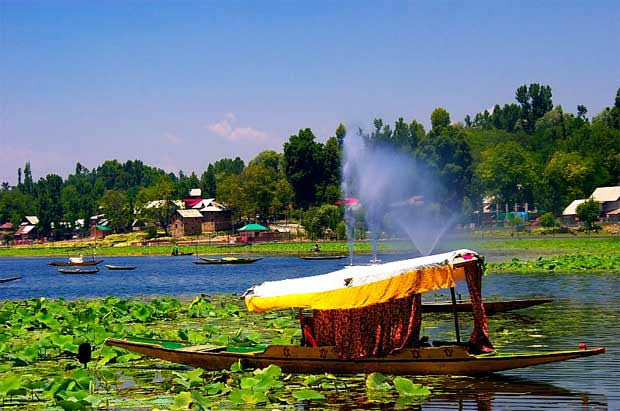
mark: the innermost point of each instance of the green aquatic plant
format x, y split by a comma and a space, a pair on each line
608, 262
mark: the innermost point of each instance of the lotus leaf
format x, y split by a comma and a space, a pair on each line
308, 395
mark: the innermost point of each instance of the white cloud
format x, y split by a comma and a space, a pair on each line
228, 129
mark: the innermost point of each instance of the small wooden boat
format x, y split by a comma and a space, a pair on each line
181, 254
491, 307
75, 263
120, 267
322, 257
8, 280
445, 360
227, 260
78, 271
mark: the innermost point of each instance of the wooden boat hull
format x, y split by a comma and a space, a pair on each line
323, 257
448, 360
490, 307
8, 280
120, 267
68, 264
78, 271
204, 260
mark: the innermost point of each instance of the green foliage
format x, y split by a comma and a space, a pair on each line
547, 220
408, 388
303, 166
377, 382
609, 262
588, 213
117, 209
508, 172
319, 221
440, 118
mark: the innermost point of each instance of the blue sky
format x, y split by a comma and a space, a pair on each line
181, 84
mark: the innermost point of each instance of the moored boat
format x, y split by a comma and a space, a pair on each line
448, 360
322, 257
9, 279
490, 307
120, 267
78, 271
366, 319
227, 260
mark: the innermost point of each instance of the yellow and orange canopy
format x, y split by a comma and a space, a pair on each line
361, 286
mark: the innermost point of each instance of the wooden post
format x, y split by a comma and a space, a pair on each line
456, 316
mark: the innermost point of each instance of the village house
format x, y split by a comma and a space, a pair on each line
27, 230
99, 231
609, 200
569, 215
252, 233
186, 223
6, 229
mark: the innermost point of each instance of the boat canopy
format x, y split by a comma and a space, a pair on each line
362, 286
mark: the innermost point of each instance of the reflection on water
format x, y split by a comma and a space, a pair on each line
585, 310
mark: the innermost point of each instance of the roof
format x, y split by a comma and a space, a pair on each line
6, 226
24, 229
361, 286
160, 203
103, 227
32, 219
614, 212
253, 227
572, 207
605, 194
195, 192
190, 213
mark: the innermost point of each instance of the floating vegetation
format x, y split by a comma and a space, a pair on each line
41, 365
607, 262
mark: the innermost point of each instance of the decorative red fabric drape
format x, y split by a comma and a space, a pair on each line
479, 341
376, 330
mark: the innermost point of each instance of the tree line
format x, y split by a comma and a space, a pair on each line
527, 151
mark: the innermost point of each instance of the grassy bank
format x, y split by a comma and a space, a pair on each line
543, 246
296, 248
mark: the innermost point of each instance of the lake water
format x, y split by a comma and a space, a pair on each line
585, 310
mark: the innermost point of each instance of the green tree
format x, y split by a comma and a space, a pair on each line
303, 165
341, 132
547, 220
448, 156
323, 220
440, 118
588, 213
535, 101
567, 176
117, 208
156, 205
49, 204
508, 172
208, 183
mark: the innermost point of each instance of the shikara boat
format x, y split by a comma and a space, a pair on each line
322, 257
366, 319
227, 260
448, 360
120, 267
491, 307
78, 271
9, 279
75, 262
